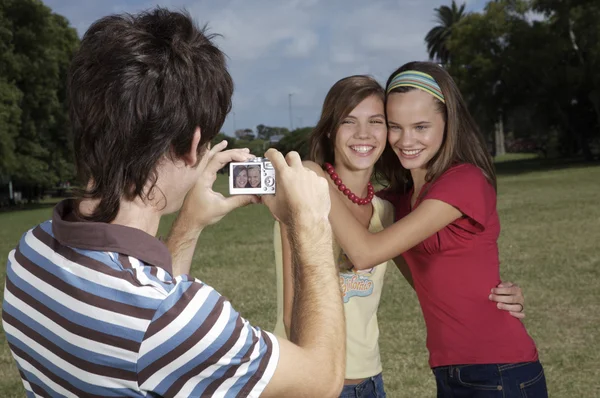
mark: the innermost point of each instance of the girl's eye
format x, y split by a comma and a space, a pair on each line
347, 122
376, 121
421, 128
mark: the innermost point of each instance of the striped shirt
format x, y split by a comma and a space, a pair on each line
91, 309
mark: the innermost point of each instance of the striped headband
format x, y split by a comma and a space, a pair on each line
420, 80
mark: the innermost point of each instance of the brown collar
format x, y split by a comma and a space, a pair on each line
72, 231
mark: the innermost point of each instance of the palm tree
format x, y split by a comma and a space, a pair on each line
437, 38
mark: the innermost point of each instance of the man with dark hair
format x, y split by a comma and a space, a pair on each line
95, 305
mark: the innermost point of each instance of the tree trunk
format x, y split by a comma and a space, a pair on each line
595, 100
580, 136
499, 138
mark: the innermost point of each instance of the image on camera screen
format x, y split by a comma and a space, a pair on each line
255, 177
246, 176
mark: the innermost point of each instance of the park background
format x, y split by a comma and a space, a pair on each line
530, 72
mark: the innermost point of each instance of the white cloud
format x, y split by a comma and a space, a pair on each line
252, 30
302, 45
292, 46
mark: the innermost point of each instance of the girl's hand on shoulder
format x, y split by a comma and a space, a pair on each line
509, 297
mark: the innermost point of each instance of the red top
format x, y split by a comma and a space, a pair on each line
453, 272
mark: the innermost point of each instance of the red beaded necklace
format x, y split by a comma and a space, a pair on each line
338, 181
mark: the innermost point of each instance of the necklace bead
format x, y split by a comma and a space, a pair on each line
346, 191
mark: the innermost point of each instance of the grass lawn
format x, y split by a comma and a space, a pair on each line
549, 244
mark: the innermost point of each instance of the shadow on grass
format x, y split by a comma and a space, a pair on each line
31, 206
521, 166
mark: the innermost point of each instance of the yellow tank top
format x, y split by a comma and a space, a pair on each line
361, 290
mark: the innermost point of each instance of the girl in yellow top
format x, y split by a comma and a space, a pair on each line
347, 141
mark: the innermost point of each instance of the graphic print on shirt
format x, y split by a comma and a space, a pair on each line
354, 283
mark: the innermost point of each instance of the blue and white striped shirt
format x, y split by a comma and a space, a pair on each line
91, 309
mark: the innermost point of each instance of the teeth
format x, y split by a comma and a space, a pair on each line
361, 148
411, 152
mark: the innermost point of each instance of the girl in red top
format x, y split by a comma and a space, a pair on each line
444, 192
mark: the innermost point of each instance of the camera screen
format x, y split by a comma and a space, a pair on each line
255, 177
247, 176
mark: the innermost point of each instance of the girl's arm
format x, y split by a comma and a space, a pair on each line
509, 297
366, 249
462, 190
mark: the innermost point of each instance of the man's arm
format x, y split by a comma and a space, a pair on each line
287, 270
317, 342
312, 363
181, 242
243, 359
203, 206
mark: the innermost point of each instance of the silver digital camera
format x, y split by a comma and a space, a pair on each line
252, 177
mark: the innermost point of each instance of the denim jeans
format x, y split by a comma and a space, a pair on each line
370, 388
496, 380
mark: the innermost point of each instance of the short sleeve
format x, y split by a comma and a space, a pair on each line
400, 202
387, 194
466, 188
198, 345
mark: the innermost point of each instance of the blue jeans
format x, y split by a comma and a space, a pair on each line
370, 388
498, 380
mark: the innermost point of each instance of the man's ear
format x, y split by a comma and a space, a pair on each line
191, 156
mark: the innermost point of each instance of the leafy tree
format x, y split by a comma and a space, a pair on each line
222, 136
437, 38
257, 146
576, 34
36, 47
297, 141
10, 98
266, 132
538, 77
244, 134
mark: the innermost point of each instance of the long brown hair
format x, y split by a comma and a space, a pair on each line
462, 143
342, 98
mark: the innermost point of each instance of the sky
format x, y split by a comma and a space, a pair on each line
300, 47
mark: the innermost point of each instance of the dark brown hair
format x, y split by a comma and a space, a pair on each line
138, 87
462, 143
342, 98
237, 170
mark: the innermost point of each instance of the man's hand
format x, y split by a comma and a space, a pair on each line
203, 206
300, 193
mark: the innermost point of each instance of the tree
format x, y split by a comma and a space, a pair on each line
297, 141
222, 136
10, 122
256, 146
244, 134
478, 45
437, 38
10, 98
266, 132
536, 77
577, 35
36, 49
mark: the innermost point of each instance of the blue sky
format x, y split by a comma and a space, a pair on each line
278, 47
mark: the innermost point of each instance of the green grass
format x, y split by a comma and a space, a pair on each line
511, 157
549, 244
